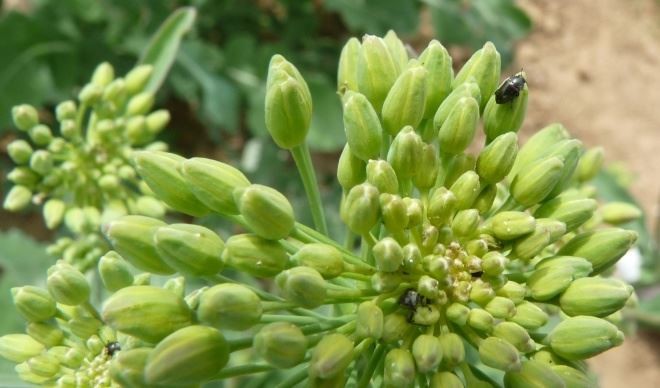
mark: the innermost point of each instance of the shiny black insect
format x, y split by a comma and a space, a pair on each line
510, 88
111, 348
411, 299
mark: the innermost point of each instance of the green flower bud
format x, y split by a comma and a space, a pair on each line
457, 131
19, 347
597, 297
33, 304
347, 72
213, 183
132, 238
41, 162
616, 213
502, 118
493, 263
534, 183
509, 225
397, 49
395, 328
581, 267
466, 189
126, 309
431, 164
458, 313
601, 247
69, 129
533, 374
160, 171
484, 66
499, 354
140, 104
255, 255
46, 333
325, 259
529, 316
360, 208
382, 176
53, 212
24, 117
288, 104
426, 316
539, 146
589, 164
501, 307
17, 198
386, 281
43, 365
331, 356
281, 344
23, 176
150, 207
527, 247
581, 337
427, 352
399, 368
437, 61
190, 249
446, 380
156, 121
388, 255
303, 286
569, 152
514, 334
572, 377
377, 70
229, 306
514, 291
466, 89
369, 321
84, 327
405, 101
571, 212
65, 110
364, 133
115, 272
497, 158
442, 206
481, 292
90, 94
19, 151
546, 283
266, 211
395, 212
67, 285
137, 78
103, 74
351, 170
453, 350
480, 320
405, 153
127, 368
412, 258
192, 354
465, 223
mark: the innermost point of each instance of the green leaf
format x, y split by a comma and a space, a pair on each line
164, 45
377, 16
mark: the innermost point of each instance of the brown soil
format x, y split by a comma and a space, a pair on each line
594, 66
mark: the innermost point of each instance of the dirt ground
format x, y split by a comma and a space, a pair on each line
594, 65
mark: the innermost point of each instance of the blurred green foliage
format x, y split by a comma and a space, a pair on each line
51, 46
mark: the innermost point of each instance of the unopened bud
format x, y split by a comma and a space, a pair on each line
362, 125
437, 61
67, 285
532, 374
497, 158
484, 66
256, 256
453, 350
388, 255
19, 347
529, 316
499, 354
115, 272
546, 283
501, 308
382, 175
427, 352
303, 286
360, 209
266, 211
405, 101
19, 151
17, 199
377, 70
33, 304
229, 306
190, 249
281, 344
581, 337
502, 118
534, 183
331, 356
24, 116
616, 213
515, 334
446, 380
369, 320
399, 368
127, 368
351, 170
601, 247
404, 154
598, 297
590, 164
466, 89
326, 259
466, 189
481, 320
347, 71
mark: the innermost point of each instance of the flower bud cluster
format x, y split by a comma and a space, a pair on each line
464, 256
80, 173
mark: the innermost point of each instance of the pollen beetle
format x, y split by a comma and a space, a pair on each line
510, 88
111, 348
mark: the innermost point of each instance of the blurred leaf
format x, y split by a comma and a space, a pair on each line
474, 22
164, 45
610, 189
648, 312
326, 132
23, 262
377, 16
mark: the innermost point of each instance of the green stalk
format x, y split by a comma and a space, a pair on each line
295, 377
240, 343
241, 370
375, 359
304, 163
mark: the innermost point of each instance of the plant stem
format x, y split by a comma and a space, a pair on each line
241, 370
375, 359
304, 163
240, 343
296, 377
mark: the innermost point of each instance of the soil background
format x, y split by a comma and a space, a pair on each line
594, 66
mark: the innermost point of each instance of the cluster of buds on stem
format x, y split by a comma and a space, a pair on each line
484, 267
83, 177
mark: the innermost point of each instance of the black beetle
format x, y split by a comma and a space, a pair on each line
510, 88
111, 348
411, 299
